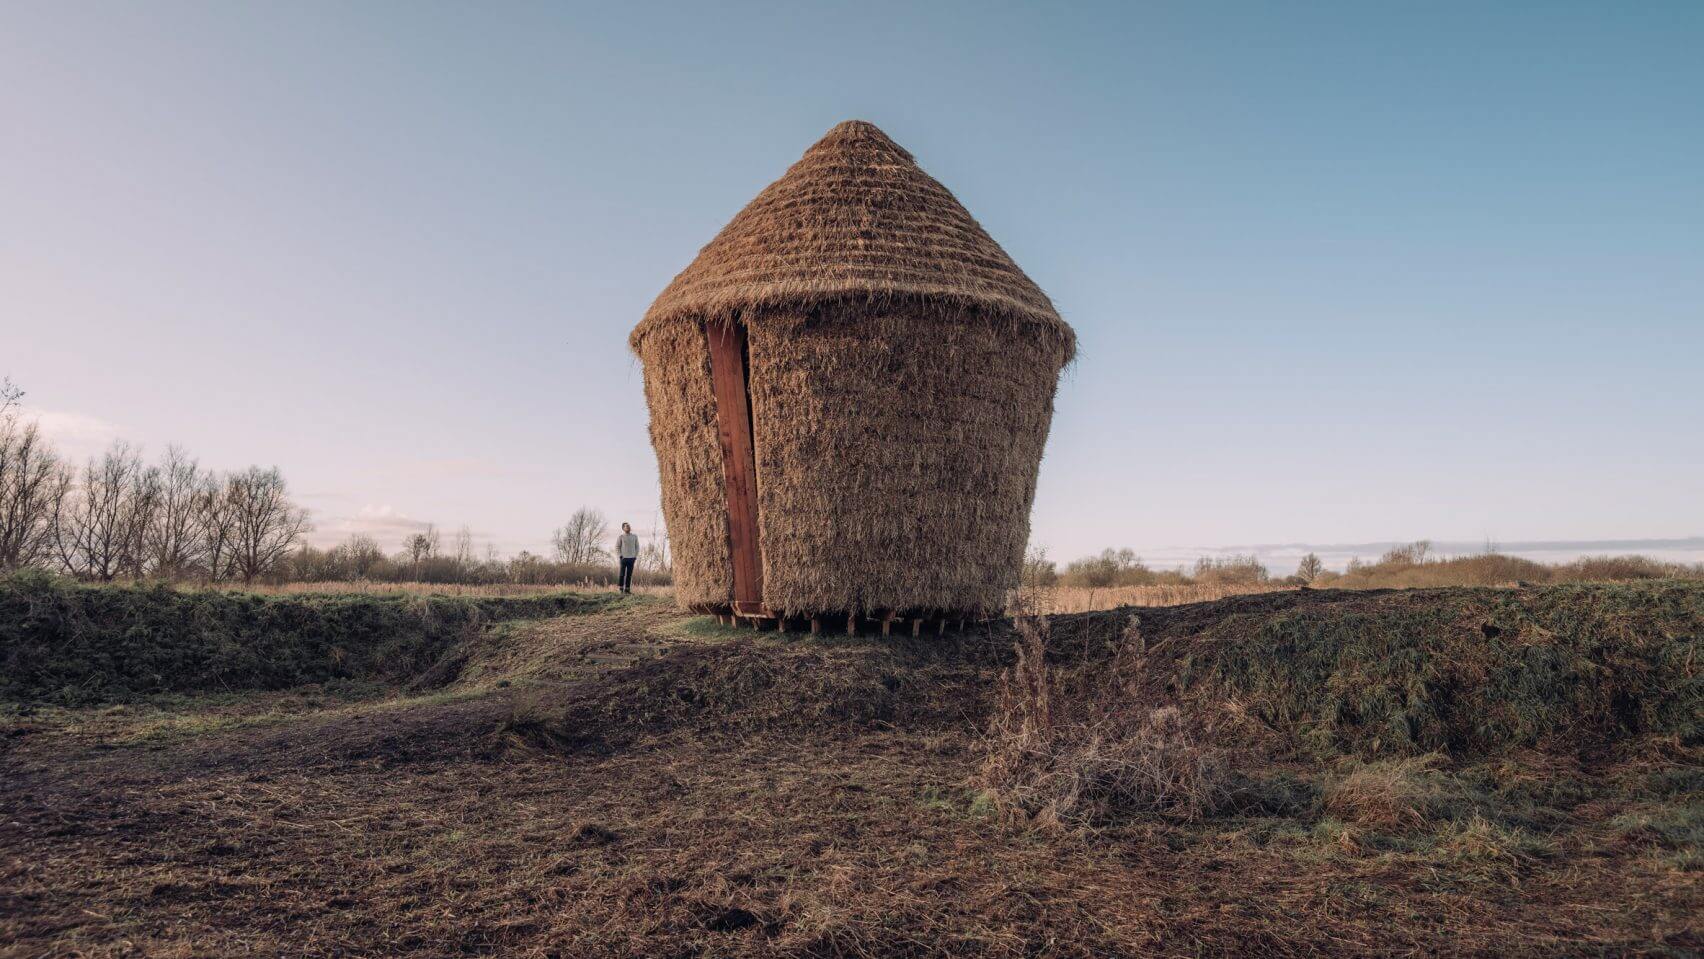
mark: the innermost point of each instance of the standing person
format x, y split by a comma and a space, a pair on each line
627, 548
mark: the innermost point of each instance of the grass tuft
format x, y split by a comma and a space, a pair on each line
1396, 795
1056, 759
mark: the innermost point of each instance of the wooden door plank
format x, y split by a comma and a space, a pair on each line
739, 466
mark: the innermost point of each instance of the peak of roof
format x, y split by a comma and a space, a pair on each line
854, 219
859, 134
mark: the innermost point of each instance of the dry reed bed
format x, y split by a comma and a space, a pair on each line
1051, 600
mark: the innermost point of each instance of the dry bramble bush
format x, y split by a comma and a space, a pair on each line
1059, 756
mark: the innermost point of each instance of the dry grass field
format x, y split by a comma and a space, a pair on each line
1028, 601
487, 590
1457, 772
1047, 600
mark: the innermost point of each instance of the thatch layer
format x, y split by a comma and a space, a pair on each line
689, 461
897, 456
855, 220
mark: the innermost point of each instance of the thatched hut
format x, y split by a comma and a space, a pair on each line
850, 389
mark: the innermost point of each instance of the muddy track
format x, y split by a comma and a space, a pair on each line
462, 722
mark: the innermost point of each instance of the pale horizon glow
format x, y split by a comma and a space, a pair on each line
1341, 275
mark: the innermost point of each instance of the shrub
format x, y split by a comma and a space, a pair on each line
1057, 757
1618, 568
1230, 570
1401, 571
1111, 568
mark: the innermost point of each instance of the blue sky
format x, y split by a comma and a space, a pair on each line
1341, 273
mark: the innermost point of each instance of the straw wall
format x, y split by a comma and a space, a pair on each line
896, 457
689, 461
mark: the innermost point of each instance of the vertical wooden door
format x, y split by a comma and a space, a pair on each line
739, 465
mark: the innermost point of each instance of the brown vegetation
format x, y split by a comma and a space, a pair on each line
1061, 754
1210, 779
1117, 578
1046, 600
1400, 568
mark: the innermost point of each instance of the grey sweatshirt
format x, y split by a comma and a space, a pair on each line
627, 546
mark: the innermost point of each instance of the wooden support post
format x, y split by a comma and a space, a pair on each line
887, 625
916, 625
816, 625
940, 627
851, 625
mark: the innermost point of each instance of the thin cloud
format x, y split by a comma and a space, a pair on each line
382, 523
77, 436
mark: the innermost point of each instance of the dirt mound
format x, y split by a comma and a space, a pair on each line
71, 644
1389, 673
744, 686
1407, 672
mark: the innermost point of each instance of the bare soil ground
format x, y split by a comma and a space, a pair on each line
370, 822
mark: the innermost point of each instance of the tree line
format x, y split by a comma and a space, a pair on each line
1413, 564
1122, 567
580, 553
118, 516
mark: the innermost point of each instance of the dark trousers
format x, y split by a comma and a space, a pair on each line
627, 574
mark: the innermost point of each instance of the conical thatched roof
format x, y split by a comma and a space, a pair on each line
861, 436
854, 220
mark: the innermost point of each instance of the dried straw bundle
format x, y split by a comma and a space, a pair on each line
901, 372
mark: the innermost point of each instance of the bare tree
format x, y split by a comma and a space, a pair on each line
1309, 568
33, 481
96, 526
581, 542
464, 549
359, 554
266, 524
10, 397
654, 556
421, 547
142, 504
1038, 571
1408, 554
216, 518
174, 535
